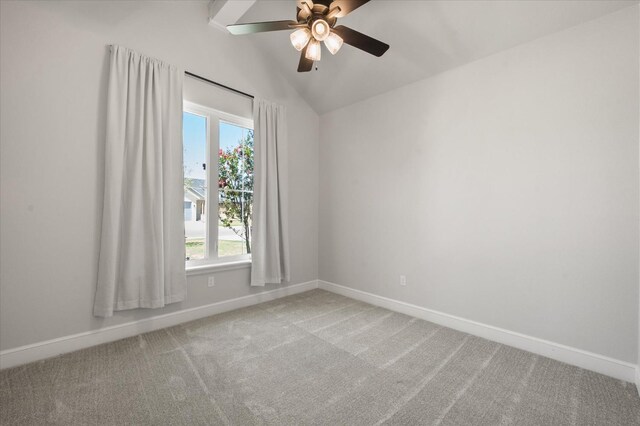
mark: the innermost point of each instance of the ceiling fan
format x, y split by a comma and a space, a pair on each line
316, 22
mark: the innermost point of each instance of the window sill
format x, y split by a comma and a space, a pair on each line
218, 267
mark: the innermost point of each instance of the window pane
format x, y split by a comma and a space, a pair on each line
194, 136
235, 184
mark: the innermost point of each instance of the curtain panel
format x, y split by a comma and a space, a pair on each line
270, 234
142, 251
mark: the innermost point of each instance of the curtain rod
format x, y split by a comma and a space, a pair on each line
190, 74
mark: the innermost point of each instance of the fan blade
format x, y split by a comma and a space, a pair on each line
260, 27
304, 8
346, 6
361, 41
300, 3
305, 64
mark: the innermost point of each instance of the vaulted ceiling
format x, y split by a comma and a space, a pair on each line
426, 38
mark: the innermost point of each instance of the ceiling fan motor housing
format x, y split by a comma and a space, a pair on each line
318, 12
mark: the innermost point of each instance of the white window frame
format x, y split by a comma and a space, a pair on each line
213, 118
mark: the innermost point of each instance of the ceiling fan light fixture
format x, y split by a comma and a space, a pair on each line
333, 43
313, 51
320, 29
300, 38
316, 22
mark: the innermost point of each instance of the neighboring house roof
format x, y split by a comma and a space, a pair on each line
195, 189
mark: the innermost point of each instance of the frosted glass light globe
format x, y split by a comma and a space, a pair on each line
320, 29
333, 43
313, 50
300, 38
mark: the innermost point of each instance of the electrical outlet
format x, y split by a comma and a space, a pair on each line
211, 282
403, 280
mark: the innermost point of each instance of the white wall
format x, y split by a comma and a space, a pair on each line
53, 76
506, 190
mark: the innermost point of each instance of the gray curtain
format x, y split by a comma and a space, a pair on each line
270, 236
142, 253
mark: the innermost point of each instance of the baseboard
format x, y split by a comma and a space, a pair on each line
49, 348
611, 367
601, 364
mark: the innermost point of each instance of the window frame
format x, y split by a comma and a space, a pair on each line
213, 118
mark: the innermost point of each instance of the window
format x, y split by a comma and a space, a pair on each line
218, 149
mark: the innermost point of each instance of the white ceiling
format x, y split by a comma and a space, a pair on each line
426, 38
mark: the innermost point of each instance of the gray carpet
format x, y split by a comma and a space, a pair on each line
312, 358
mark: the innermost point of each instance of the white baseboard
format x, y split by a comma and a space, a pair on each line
49, 348
611, 367
590, 361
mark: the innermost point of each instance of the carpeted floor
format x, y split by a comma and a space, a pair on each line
312, 358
